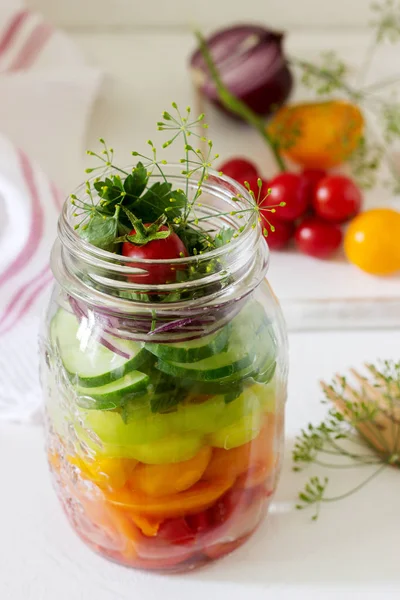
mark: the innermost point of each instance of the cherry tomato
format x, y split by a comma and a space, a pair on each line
199, 523
170, 247
231, 502
337, 199
313, 177
176, 531
372, 241
283, 233
239, 169
292, 189
317, 237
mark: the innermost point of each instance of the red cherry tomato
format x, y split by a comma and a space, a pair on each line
318, 238
313, 177
292, 189
337, 199
170, 247
176, 531
284, 231
199, 523
239, 169
230, 503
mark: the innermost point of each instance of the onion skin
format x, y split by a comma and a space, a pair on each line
251, 64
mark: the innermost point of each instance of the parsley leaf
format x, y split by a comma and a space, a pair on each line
135, 183
224, 237
101, 232
153, 203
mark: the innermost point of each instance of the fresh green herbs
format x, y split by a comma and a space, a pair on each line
363, 429
139, 205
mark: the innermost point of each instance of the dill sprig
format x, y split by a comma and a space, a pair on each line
362, 429
117, 199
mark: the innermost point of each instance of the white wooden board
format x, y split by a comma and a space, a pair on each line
147, 70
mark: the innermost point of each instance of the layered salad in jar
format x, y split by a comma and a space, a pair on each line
164, 371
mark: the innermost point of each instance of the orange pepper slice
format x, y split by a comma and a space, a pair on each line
163, 480
197, 498
149, 526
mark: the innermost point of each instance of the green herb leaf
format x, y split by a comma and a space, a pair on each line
164, 402
224, 237
156, 200
195, 240
108, 191
101, 231
135, 183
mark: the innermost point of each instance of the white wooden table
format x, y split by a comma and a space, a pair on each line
352, 551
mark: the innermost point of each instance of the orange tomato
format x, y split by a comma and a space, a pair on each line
236, 461
161, 480
372, 241
317, 135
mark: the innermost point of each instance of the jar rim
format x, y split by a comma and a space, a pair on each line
99, 283
66, 230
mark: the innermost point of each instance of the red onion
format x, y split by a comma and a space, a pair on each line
252, 66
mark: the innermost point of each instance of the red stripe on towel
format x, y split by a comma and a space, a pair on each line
32, 47
36, 225
12, 30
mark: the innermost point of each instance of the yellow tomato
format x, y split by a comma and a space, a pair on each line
161, 480
372, 241
317, 135
105, 472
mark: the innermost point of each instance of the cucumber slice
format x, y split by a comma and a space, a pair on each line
241, 353
193, 350
88, 362
113, 394
209, 369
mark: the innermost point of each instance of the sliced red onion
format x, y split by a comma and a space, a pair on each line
114, 348
184, 326
252, 65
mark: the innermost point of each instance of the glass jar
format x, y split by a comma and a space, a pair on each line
165, 403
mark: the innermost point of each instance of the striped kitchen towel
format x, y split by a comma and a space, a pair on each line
47, 90
46, 94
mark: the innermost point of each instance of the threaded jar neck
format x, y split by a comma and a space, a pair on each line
99, 283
